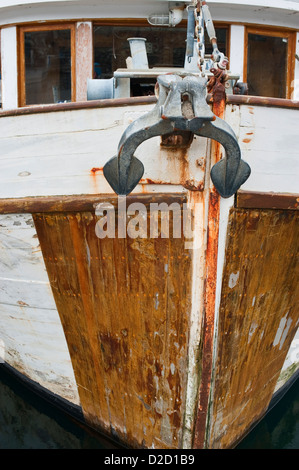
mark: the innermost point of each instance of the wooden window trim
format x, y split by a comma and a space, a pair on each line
21, 55
281, 33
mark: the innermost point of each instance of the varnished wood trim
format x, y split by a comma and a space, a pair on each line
258, 200
21, 54
139, 100
79, 203
262, 101
107, 103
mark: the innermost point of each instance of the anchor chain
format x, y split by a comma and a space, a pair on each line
200, 36
203, 19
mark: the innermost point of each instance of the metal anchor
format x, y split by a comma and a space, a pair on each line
124, 171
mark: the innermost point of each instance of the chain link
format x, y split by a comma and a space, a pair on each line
217, 56
199, 35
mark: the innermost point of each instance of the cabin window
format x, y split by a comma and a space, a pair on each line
269, 65
165, 48
46, 64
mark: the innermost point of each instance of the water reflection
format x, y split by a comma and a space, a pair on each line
28, 422
280, 427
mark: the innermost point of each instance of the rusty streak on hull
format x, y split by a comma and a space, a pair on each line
210, 292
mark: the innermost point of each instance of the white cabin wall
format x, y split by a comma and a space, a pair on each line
296, 77
9, 70
237, 45
282, 13
268, 141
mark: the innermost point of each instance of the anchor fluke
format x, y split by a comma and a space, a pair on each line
123, 186
226, 185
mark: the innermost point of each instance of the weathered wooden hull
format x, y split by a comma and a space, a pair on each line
171, 342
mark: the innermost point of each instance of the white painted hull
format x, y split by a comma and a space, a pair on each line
51, 152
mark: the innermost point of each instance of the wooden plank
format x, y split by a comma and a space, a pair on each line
257, 200
258, 318
86, 202
84, 58
124, 304
140, 100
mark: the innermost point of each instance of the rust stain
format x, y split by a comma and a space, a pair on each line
190, 184
210, 286
246, 141
22, 304
150, 181
178, 139
216, 86
95, 170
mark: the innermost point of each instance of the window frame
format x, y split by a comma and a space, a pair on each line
21, 56
278, 33
141, 22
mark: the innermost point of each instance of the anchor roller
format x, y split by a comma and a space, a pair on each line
124, 171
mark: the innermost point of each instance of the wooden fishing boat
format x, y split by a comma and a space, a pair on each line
154, 295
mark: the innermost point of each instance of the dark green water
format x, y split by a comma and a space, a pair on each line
28, 422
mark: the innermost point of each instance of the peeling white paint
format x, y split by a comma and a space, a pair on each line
282, 331
285, 333
233, 279
279, 331
157, 300
252, 329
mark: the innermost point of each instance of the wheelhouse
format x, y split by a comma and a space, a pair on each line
46, 62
